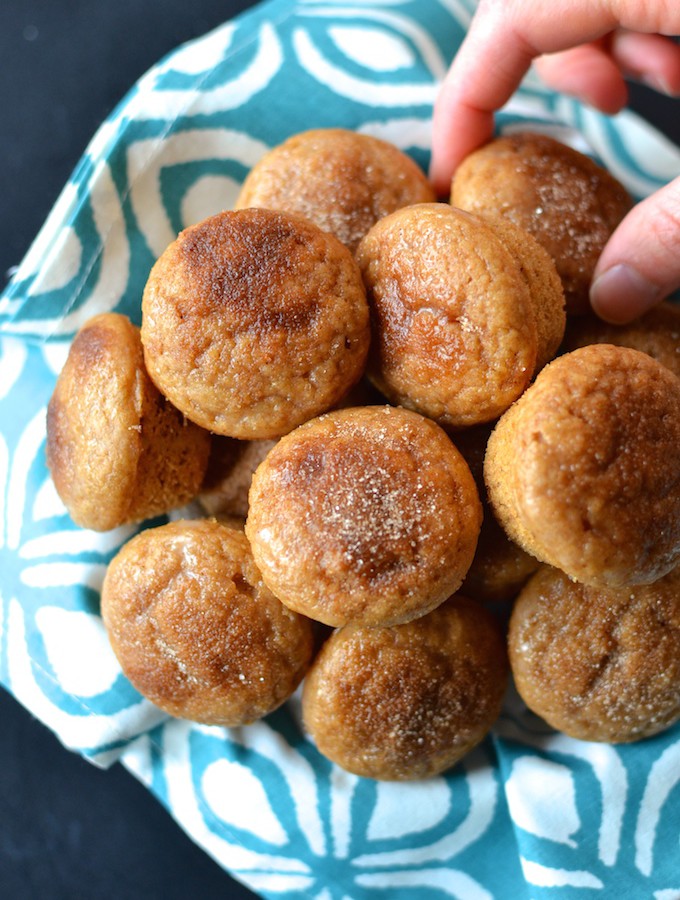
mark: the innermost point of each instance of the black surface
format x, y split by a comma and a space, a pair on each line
68, 830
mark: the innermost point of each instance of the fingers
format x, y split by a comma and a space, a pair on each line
641, 263
595, 72
587, 72
650, 58
463, 113
504, 37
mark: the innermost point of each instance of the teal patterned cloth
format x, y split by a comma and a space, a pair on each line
530, 813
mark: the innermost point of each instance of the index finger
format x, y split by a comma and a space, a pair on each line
502, 42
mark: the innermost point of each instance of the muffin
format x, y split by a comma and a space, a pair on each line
408, 701
117, 450
195, 629
583, 471
341, 180
224, 491
656, 333
499, 567
454, 312
569, 203
599, 664
367, 515
253, 322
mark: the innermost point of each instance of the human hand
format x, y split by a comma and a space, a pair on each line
587, 50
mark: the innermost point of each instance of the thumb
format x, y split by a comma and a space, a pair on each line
640, 264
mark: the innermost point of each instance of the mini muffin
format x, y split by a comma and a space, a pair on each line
599, 664
545, 287
195, 629
656, 333
366, 515
454, 325
569, 203
408, 701
584, 470
224, 491
500, 567
341, 180
253, 322
117, 450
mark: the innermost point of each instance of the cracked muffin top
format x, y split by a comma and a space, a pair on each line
598, 664
583, 471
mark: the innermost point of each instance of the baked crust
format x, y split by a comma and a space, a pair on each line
117, 450
364, 515
408, 701
254, 321
339, 179
656, 333
196, 630
453, 330
583, 471
569, 203
598, 664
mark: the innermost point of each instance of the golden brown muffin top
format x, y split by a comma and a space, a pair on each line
568, 202
342, 180
254, 321
117, 451
545, 287
584, 470
454, 335
367, 514
95, 395
408, 701
196, 630
599, 664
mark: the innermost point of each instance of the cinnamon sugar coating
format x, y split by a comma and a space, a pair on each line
408, 701
253, 322
454, 334
365, 515
117, 450
583, 471
563, 198
598, 664
341, 180
195, 629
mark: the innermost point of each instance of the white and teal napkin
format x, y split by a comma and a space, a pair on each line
529, 815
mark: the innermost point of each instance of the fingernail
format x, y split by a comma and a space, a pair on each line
622, 293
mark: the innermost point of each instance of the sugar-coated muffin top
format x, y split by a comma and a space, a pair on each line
367, 514
342, 180
196, 630
584, 469
254, 321
599, 664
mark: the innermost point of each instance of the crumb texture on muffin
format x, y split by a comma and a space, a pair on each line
196, 630
367, 514
408, 701
599, 664
584, 470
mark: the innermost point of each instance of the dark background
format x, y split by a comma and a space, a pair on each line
67, 829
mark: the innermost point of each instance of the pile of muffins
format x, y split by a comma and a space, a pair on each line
408, 462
